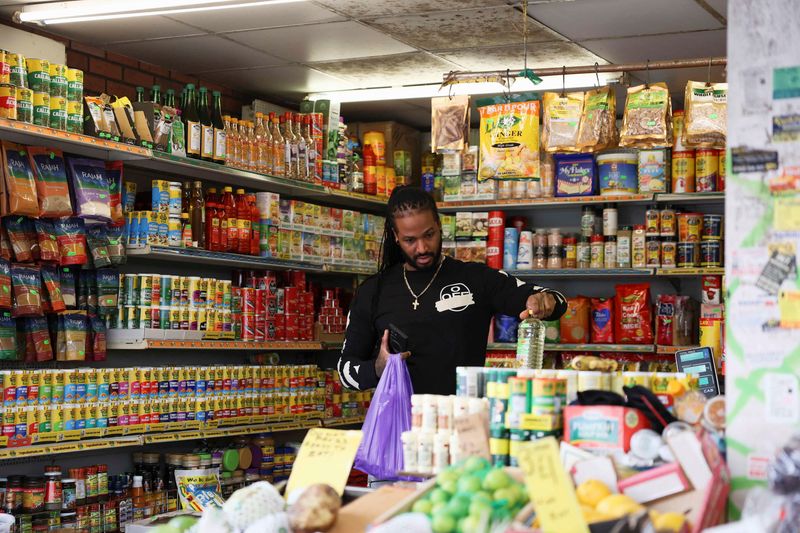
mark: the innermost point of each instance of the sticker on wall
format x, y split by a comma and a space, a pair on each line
782, 405
757, 466
786, 83
786, 128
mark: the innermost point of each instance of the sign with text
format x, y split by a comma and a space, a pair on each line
326, 456
472, 436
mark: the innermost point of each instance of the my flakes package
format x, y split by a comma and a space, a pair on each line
509, 138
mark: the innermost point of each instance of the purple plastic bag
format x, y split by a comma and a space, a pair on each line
381, 451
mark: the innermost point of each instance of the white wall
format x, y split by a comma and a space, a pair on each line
32, 45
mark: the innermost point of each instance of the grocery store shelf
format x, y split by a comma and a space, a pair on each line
581, 273
676, 272
102, 438
205, 257
29, 134
691, 198
502, 346
218, 345
669, 350
521, 205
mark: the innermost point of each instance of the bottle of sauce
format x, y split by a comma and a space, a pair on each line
311, 150
255, 225
207, 130
212, 224
262, 145
220, 137
155, 98
229, 155
186, 196
197, 214
236, 144
302, 148
278, 152
186, 231
253, 146
243, 223
294, 147
194, 130
140, 94
137, 495
231, 225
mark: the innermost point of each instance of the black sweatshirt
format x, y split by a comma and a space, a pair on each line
448, 329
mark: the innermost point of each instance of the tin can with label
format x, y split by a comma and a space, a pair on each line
669, 253
689, 227
24, 105
8, 102
174, 203
722, 170
248, 328
248, 300
683, 171
58, 80
145, 289
688, 254
712, 227
58, 112
38, 74
5, 68
74, 116
18, 75
41, 108
711, 254
653, 252
174, 231
75, 84
706, 170
165, 297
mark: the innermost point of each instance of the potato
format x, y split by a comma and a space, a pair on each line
315, 510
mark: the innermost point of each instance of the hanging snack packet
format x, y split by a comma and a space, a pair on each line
561, 121
19, 182
52, 289
27, 288
449, 124
114, 177
6, 250
8, 337
706, 119
87, 291
602, 321
107, 280
75, 329
51, 182
116, 245
71, 237
90, 189
37, 336
22, 242
68, 291
575, 322
647, 122
598, 129
97, 339
634, 315
5, 284
48, 243
509, 138
98, 246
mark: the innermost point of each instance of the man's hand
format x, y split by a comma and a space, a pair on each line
383, 354
539, 305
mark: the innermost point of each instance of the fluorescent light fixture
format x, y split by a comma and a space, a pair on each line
410, 92
93, 10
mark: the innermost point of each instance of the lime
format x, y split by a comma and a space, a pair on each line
469, 484
439, 496
480, 508
450, 486
438, 508
422, 506
471, 524
507, 494
446, 476
458, 506
496, 479
482, 495
443, 523
475, 464
183, 522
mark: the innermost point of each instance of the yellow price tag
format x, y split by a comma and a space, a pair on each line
115, 431
92, 433
786, 216
549, 487
193, 424
326, 456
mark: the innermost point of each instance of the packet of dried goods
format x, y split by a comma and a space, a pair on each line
53, 299
647, 121
561, 119
26, 286
19, 182
75, 327
97, 339
24, 243
115, 245
509, 138
634, 314
5, 284
449, 123
98, 246
37, 336
71, 238
199, 489
68, 290
46, 237
598, 129
706, 106
107, 291
8, 337
114, 177
90, 189
6, 250
51, 182
575, 324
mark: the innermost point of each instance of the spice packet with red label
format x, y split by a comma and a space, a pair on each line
53, 299
48, 243
27, 289
71, 237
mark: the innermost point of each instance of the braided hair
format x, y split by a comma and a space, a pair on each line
403, 199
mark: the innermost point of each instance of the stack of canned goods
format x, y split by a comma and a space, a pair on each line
39, 92
683, 240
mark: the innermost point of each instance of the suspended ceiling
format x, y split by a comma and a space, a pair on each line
288, 50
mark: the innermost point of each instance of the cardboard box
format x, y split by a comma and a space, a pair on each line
602, 428
655, 483
398, 137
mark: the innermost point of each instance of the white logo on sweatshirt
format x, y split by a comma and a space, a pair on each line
455, 297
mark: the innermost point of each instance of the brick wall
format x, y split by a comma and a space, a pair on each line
119, 75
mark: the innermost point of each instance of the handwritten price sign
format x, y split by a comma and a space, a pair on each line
326, 456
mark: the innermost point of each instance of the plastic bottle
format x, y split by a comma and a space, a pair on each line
530, 343
262, 145
196, 214
278, 152
243, 223
429, 413
441, 451
212, 221
252, 147
425, 453
230, 225
410, 448
255, 225
236, 144
416, 410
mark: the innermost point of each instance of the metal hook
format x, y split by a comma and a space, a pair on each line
647, 84
508, 85
563, 81
597, 72
708, 78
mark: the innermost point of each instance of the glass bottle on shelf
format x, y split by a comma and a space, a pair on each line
236, 144
194, 132
155, 94
278, 150
243, 223
302, 147
169, 98
288, 139
197, 214
253, 146
140, 94
212, 222
218, 124
228, 141
311, 151
262, 145
207, 132
231, 224
186, 196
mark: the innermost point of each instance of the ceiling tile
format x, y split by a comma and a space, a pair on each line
102, 32
195, 54
464, 29
402, 69
286, 80
378, 8
263, 16
660, 47
322, 42
540, 55
587, 19
720, 6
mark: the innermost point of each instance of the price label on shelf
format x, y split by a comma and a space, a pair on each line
73, 434
93, 445
193, 424
189, 435
115, 431
167, 437
92, 433
43, 438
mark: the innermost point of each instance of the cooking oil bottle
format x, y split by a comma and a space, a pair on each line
530, 343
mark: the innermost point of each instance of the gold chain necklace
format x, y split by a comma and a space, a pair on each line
415, 303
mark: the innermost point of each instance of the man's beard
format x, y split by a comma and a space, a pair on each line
423, 268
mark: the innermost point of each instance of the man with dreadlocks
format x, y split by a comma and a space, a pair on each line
443, 305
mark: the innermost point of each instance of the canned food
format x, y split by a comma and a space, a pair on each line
58, 112
669, 254
145, 289
166, 290
74, 84
5, 68
712, 227
194, 319
688, 254
722, 171
58, 80
248, 328
18, 71
248, 300
185, 318
164, 318
711, 254
74, 116
689, 227
38, 74
653, 252
706, 170
652, 219
24, 105
8, 102
41, 108
174, 201
174, 231
683, 171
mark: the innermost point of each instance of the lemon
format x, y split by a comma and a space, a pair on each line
669, 522
618, 505
591, 491
590, 515
675, 388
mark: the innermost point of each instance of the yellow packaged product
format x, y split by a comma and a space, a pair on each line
561, 120
509, 138
647, 122
705, 123
598, 129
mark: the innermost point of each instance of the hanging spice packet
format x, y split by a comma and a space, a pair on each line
37, 336
509, 138
98, 246
75, 327
6, 250
19, 183
598, 129
114, 177
27, 290
8, 337
97, 339
561, 121
48, 243
51, 283
71, 238
51, 182
449, 124
68, 290
5, 284
90, 189
107, 280
116, 245
23, 241
706, 119
87, 291
647, 121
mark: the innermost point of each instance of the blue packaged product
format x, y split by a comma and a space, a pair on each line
618, 172
510, 248
575, 175
505, 328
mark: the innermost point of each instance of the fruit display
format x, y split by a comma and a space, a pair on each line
599, 504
